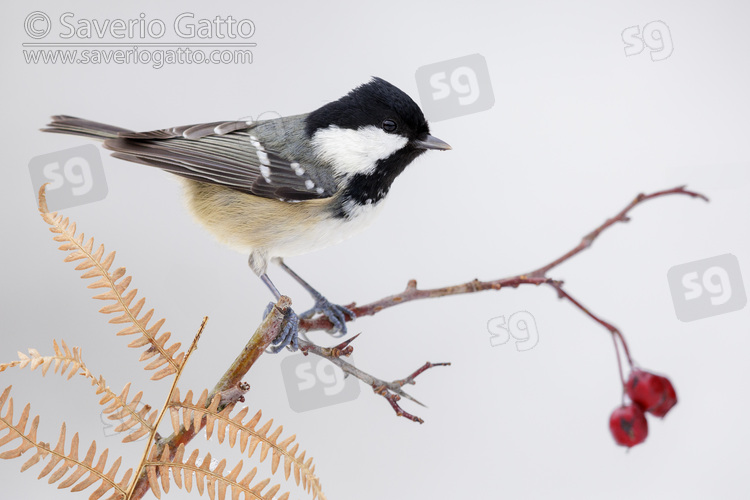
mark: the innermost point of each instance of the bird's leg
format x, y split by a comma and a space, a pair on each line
289, 334
334, 312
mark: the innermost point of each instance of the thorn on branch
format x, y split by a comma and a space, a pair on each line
392, 398
391, 391
344, 349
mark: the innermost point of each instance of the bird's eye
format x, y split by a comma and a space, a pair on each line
389, 125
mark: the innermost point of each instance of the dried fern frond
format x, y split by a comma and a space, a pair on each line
60, 459
65, 358
138, 421
134, 421
213, 481
232, 426
97, 265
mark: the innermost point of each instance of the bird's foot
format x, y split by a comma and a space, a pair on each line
335, 313
289, 333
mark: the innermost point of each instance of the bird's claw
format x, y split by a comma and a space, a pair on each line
289, 333
335, 313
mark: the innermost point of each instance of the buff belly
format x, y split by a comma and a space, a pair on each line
251, 224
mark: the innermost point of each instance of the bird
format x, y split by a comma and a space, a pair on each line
285, 186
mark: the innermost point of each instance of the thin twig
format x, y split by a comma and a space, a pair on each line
391, 391
616, 334
622, 216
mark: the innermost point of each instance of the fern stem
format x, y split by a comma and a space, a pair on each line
165, 408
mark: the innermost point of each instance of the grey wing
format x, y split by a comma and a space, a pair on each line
223, 153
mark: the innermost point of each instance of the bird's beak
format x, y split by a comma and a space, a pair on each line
431, 142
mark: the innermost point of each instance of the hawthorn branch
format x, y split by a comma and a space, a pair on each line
391, 391
536, 277
413, 293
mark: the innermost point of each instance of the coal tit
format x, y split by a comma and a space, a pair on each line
286, 186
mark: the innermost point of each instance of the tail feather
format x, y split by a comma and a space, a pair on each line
62, 124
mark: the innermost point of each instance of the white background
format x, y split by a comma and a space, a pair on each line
577, 130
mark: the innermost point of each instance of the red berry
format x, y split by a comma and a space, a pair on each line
670, 399
651, 392
645, 388
628, 425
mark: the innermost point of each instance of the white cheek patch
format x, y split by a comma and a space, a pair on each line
355, 151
